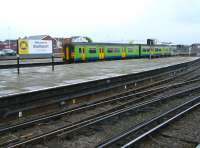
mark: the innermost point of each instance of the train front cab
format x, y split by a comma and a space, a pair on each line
69, 53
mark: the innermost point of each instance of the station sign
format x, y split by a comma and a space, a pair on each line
34, 46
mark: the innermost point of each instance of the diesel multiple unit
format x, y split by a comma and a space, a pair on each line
80, 52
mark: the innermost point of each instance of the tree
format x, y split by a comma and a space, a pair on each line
131, 42
88, 39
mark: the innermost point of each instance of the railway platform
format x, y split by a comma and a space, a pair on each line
38, 78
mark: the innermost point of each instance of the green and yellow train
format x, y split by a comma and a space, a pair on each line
80, 52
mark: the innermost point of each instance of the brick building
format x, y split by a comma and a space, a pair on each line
8, 44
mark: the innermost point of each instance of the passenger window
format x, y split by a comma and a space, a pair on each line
130, 50
110, 50
92, 50
116, 50
80, 50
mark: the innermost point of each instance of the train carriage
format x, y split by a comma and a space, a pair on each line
113, 52
132, 51
145, 51
80, 52
158, 51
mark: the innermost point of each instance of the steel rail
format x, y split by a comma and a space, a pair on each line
103, 116
145, 124
162, 124
122, 96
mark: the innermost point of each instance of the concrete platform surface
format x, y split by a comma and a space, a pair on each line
36, 78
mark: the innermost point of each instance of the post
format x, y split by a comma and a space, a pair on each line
150, 52
189, 51
52, 61
52, 57
18, 65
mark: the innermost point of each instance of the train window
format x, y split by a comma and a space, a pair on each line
80, 50
130, 49
116, 50
110, 50
92, 50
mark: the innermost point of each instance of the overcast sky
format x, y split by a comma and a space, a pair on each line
103, 20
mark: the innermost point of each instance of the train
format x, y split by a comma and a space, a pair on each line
86, 52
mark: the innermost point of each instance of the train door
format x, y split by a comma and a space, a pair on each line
69, 53
140, 50
101, 53
123, 53
83, 54
100, 57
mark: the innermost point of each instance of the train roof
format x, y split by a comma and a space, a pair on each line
111, 44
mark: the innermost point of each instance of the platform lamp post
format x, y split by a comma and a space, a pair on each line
9, 37
189, 51
150, 51
150, 42
52, 56
18, 65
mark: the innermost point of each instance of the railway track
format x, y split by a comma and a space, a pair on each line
127, 106
132, 136
122, 97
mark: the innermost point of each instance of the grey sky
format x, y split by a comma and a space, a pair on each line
103, 20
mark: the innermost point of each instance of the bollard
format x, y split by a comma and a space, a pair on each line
73, 101
62, 103
20, 114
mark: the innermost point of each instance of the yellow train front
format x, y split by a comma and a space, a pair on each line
85, 52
